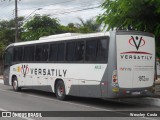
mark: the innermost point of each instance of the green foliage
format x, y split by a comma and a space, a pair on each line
143, 15
40, 26
69, 28
88, 26
6, 34
121, 14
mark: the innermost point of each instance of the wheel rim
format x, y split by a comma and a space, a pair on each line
60, 91
15, 84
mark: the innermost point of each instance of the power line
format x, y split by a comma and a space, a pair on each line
63, 11
26, 18
83, 5
2, 2
89, 8
9, 3
77, 10
3, 5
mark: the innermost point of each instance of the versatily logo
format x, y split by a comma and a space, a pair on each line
24, 70
137, 42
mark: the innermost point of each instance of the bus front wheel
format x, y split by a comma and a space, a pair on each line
60, 90
15, 85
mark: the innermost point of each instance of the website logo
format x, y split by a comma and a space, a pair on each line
6, 114
125, 69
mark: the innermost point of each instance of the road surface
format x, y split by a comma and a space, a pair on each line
31, 100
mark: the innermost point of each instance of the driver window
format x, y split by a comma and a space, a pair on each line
8, 57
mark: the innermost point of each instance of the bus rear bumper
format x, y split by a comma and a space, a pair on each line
135, 92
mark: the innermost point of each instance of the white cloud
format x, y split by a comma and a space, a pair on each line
53, 8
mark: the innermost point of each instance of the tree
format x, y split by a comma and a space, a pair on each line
124, 13
40, 26
143, 15
88, 26
69, 28
6, 34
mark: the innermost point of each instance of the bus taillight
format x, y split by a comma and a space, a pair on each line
114, 77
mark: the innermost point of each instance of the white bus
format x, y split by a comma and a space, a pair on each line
101, 65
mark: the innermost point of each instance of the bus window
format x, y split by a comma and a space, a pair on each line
41, 53
79, 51
102, 50
60, 56
28, 53
70, 51
38, 53
44, 56
8, 57
96, 50
53, 52
91, 46
18, 54
56, 52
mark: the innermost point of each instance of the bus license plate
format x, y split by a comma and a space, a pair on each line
136, 93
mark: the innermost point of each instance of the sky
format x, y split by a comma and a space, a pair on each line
66, 11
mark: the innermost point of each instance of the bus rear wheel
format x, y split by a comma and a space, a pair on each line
15, 85
60, 90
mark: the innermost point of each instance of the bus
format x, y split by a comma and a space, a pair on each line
114, 64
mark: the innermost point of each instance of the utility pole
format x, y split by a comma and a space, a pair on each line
16, 22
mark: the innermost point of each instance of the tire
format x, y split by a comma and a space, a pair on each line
60, 90
15, 85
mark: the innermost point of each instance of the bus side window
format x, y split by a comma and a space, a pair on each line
17, 54
79, 55
28, 53
91, 46
56, 52
8, 57
70, 51
101, 50
53, 52
44, 55
60, 56
38, 53
96, 50
41, 52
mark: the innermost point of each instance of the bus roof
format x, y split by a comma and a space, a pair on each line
61, 37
